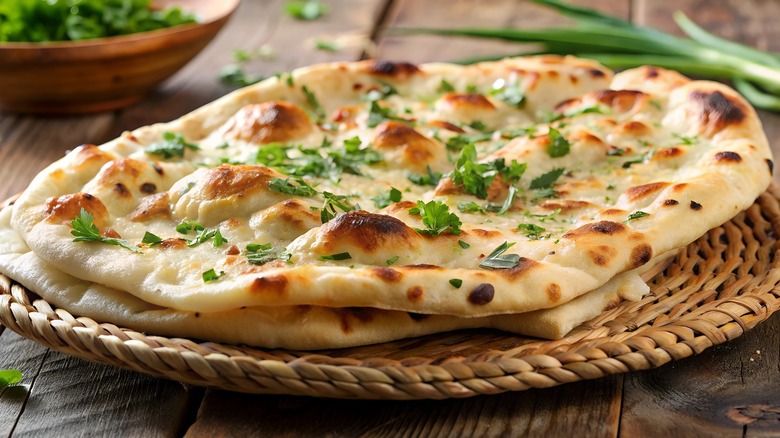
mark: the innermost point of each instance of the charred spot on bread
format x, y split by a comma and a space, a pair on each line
482, 294
65, 208
152, 207
415, 294
771, 165
601, 255
608, 228
148, 188
172, 243
369, 231
348, 315
233, 179
269, 285
268, 122
553, 292
399, 70
695, 206
620, 100
636, 193
388, 275
717, 111
671, 202
728, 157
418, 316
640, 255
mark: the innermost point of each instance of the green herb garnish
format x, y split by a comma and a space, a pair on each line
392, 260
333, 202
558, 146
9, 377
470, 207
292, 186
151, 239
498, 260
326, 46
456, 282
314, 104
42, 21
636, 215
463, 244
211, 275
172, 146
431, 179
533, 232
509, 92
384, 199
85, 230
264, 253
305, 10
339, 256
445, 87
437, 218
546, 180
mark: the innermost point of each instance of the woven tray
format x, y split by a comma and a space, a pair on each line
715, 289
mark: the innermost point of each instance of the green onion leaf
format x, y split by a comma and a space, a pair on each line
339, 256
498, 260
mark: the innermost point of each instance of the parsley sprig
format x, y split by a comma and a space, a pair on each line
85, 230
437, 218
559, 145
476, 177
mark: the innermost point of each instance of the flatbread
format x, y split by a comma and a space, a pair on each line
577, 176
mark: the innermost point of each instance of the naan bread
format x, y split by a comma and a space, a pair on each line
578, 176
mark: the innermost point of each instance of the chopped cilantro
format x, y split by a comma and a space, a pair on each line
545, 217
509, 201
314, 104
9, 377
531, 231
185, 227
616, 152
392, 260
445, 87
458, 142
85, 230
211, 275
558, 146
233, 74
575, 113
383, 91
339, 256
456, 282
479, 125
296, 187
207, 234
498, 260
255, 247
305, 9
384, 199
332, 202
511, 93
431, 179
265, 253
326, 46
470, 207
636, 215
151, 239
172, 146
437, 218
378, 114
476, 177
463, 244
546, 180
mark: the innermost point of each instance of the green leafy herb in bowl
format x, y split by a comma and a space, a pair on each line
75, 20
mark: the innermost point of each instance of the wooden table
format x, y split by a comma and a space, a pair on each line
730, 390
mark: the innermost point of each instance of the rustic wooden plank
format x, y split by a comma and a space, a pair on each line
254, 25
28, 144
115, 402
470, 13
527, 413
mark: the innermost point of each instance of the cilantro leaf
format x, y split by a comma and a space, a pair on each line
314, 104
511, 93
532, 231
437, 218
575, 113
558, 146
85, 230
445, 87
498, 260
392, 260
470, 207
456, 282
263, 256
636, 215
305, 10
509, 201
9, 377
292, 186
332, 202
384, 199
431, 179
378, 114
463, 244
185, 227
151, 239
172, 146
547, 180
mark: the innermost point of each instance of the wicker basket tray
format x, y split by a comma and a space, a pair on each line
715, 289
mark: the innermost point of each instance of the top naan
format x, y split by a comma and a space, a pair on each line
581, 175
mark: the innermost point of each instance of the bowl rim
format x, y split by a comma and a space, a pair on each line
229, 9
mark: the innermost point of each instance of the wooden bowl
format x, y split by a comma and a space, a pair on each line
75, 77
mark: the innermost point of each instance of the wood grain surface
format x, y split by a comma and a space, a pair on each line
730, 390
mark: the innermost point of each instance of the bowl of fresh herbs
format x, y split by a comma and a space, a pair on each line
82, 56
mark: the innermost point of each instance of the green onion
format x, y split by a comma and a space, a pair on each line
618, 43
